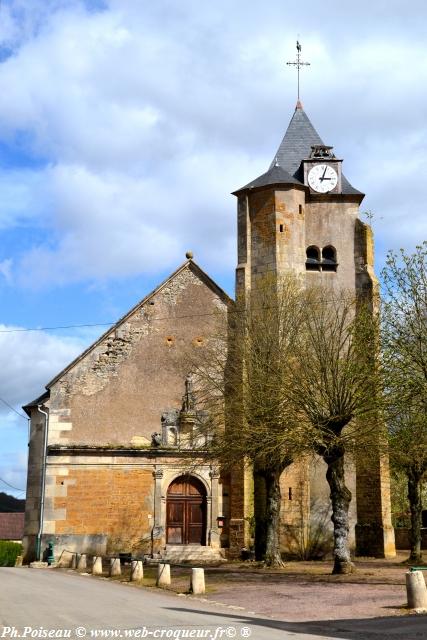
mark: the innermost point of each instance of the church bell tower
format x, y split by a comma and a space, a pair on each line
302, 215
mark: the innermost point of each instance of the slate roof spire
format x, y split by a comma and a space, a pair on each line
286, 166
296, 146
297, 141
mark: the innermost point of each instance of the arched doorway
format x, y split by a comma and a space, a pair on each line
186, 511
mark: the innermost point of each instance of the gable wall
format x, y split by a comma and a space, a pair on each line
117, 393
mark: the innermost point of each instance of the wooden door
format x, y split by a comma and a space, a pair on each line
186, 512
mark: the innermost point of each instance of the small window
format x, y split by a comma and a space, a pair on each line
329, 259
312, 262
281, 228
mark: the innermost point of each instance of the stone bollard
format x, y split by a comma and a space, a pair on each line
97, 566
115, 568
18, 561
73, 564
82, 562
416, 590
163, 575
197, 584
136, 571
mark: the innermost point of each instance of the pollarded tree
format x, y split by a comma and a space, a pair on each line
336, 388
244, 386
404, 342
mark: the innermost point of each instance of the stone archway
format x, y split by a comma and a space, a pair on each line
186, 511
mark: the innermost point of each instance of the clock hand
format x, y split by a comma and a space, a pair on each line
323, 177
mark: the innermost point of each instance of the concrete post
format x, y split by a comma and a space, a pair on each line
137, 571
115, 568
73, 564
197, 585
82, 562
416, 590
163, 575
97, 566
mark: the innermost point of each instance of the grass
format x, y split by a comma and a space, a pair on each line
9, 551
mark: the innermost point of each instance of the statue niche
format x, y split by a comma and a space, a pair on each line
178, 425
170, 428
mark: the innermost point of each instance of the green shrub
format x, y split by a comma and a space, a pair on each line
9, 551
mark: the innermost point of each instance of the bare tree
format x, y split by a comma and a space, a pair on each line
404, 342
336, 388
295, 372
244, 388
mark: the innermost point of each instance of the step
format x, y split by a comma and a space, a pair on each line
191, 553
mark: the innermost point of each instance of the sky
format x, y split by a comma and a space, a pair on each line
125, 126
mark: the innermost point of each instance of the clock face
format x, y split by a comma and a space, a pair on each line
322, 178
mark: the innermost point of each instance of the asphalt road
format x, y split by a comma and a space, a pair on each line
59, 600
42, 603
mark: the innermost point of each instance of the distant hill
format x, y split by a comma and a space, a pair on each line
9, 504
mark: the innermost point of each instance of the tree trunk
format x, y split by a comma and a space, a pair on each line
415, 504
273, 556
340, 500
259, 513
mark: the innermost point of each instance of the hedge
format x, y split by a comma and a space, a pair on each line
9, 551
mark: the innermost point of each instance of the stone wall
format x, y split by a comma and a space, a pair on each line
332, 222
276, 225
374, 531
116, 393
116, 502
113, 397
104, 501
34, 479
402, 538
295, 509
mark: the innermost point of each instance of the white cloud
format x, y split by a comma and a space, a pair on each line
5, 269
29, 360
139, 120
148, 116
13, 469
23, 197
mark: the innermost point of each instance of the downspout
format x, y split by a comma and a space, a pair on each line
43, 482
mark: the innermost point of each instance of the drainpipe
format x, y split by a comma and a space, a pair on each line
43, 481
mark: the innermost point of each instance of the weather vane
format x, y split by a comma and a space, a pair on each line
298, 63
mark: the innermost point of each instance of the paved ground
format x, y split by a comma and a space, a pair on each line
60, 599
306, 591
311, 593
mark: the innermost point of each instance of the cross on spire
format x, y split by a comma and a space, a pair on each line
298, 63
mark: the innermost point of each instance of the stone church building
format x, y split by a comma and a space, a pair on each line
110, 463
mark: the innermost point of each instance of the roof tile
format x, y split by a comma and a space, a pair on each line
12, 526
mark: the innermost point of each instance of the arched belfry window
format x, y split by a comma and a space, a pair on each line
329, 258
312, 262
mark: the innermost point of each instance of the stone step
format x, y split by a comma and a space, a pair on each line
191, 553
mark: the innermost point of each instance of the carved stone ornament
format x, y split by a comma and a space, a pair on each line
189, 399
156, 439
170, 427
178, 425
170, 418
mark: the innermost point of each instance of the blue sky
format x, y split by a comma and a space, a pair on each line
124, 126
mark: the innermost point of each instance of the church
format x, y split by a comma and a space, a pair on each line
110, 468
